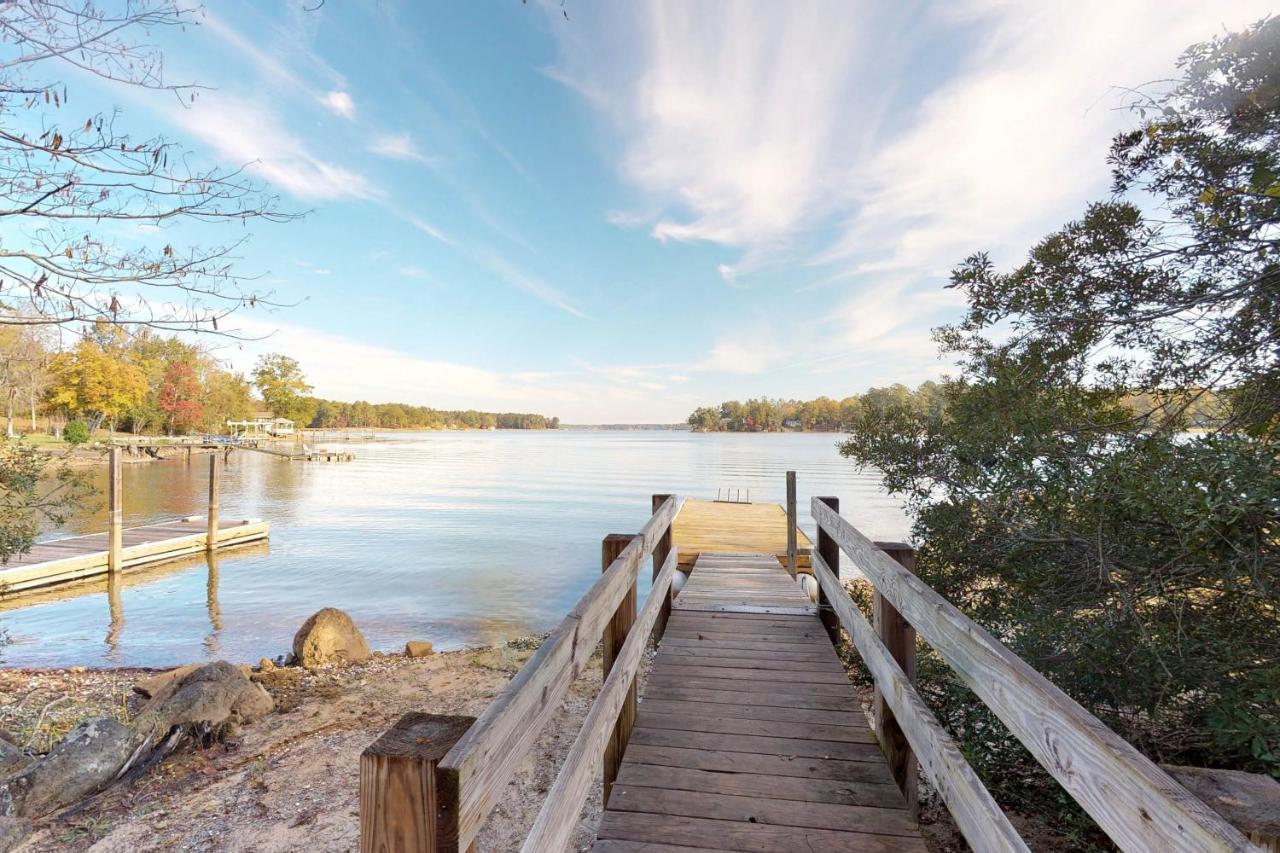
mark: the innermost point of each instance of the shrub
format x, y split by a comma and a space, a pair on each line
76, 432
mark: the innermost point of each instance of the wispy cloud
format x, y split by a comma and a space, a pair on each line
398, 146
339, 103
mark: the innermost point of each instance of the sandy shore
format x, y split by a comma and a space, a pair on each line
290, 781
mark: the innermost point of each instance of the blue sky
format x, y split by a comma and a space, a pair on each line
647, 207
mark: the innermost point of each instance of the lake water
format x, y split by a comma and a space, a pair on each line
460, 538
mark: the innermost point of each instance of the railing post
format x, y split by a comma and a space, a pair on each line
829, 551
791, 523
900, 639
615, 634
211, 531
402, 806
660, 552
115, 513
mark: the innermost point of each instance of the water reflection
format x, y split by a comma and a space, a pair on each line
457, 538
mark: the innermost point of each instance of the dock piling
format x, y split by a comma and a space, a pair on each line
900, 639
791, 523
115, 512
660, 552
615, 634
215, 475
829, 551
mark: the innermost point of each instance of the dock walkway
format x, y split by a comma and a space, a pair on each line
749, 735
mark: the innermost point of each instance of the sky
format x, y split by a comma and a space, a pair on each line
617, 212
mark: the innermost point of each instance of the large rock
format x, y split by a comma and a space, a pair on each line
418, 649
12, 759
153, 684
81, 763
13, 831
213, 696
329, 637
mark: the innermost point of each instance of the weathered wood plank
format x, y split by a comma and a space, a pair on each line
776, 674
476, 771
738, 697
758, 745
843, 791
762, 765
749, 837
971, 805
615, 635
555, 823
1138, 805
806, 716
738, 726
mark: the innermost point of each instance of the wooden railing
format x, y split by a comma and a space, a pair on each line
416, 796
1139, 806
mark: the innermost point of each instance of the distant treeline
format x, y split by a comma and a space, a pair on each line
1198, 409
821, 415
332, 414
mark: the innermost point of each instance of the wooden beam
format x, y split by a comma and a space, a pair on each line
660, 552
791, 523
1138, 805
475, 772
211, 529
553, 829
829, 550
115, 512
971, 805
900, 639
615, 636
399, 795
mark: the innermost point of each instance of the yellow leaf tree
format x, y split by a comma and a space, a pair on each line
92, 382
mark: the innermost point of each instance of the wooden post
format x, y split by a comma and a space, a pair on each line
115, 513
615, 634
211, 531
900, 639
401, 807
829, 551
660, 552
791, 523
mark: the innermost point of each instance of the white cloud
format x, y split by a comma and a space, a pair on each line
245, 132
340, 103
735, 356
398, 146
416, 273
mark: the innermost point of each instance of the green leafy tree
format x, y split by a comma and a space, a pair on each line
284, 388
1058, 499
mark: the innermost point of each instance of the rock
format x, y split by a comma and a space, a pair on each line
418, 648
152, 685
12, 832
77, 669
266, 665
329, 637
80, 764
214, 695
12, 759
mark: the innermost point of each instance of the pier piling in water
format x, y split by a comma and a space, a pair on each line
215, 474
115, 511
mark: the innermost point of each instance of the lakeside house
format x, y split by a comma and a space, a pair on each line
263, 425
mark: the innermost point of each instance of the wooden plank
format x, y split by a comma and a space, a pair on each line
553, 828
211, 519
761, 765
1138, 805
808, 716
615, 637
737, 726
971, 805
617, 845
660, 551
899, 638
843, 792
749, 660
115, 513
705, 526
771, 675
755, 685
792, 747
476, 771
791, 524
829, 551
661, 801
737, 697
750, 837
696, 641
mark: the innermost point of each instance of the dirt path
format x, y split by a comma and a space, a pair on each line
290, 781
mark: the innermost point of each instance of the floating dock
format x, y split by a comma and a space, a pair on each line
80, 557
742, 528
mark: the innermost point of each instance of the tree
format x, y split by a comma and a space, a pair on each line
1058, 499
65, 169
284, 388
96, 380
179, 398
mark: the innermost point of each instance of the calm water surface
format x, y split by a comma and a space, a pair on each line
455, 537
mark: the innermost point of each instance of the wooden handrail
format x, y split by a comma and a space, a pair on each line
971, 805
475, 772
1138, 805
554, 826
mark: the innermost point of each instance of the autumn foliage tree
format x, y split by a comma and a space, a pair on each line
179, 398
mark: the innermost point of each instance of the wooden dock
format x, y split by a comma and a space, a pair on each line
744, 528
749, 735
80, 557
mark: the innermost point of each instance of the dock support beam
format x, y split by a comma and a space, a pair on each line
402, 807
900, 639
215, 477
615, 634
791, 523
829, 551
115, 512
660, 552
